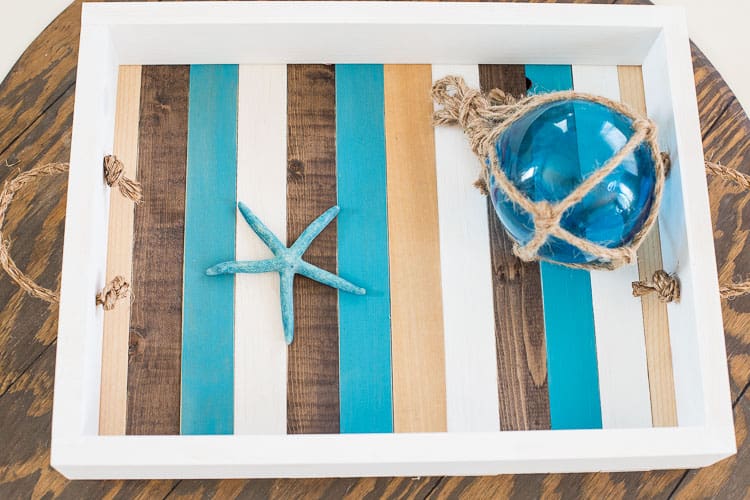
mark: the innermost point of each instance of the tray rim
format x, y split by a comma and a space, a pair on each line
109, 36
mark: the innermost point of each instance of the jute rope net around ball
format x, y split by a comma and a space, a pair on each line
484, 117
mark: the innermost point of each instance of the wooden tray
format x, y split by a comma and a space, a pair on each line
456, 341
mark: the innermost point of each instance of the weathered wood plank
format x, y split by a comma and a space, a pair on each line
35, 224
418, 351
655, 319
44, 73
519, 314
26, 413
728, 478
156, 310
313, 377
113, 401
282, 489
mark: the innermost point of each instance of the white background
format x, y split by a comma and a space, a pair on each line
719, 27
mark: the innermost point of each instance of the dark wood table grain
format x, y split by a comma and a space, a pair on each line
36, 110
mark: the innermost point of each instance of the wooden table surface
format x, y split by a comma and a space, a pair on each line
36, 111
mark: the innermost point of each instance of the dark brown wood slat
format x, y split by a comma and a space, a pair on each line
313, 376
517, 292
156, 311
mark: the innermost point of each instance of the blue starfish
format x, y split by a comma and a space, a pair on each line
287, 262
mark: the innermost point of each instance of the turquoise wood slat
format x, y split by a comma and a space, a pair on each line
568, 315
364, 321
207, 405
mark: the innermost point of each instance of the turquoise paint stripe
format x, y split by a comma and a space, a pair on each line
207, 405
573, 376
364, 321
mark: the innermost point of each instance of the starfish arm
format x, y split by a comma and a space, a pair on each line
313, 230
287, 305
330, 279
244, 266
261, 229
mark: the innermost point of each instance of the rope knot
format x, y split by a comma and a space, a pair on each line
546, 218
645, 127
114, 175
666, 162
481, 185
546, 222
498, 97
460, 103
115, 290
666, 286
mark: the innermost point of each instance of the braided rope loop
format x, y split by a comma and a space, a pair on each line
113, 175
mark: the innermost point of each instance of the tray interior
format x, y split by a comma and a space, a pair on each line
454, 334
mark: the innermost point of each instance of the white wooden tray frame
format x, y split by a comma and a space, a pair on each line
266, 32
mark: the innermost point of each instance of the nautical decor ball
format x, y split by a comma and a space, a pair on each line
549, 151
575, 179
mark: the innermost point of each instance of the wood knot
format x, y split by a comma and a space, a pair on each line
115, 290
666, 286
295, 170
114, 175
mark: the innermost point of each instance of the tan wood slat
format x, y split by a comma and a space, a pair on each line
655, 320
417, 345
114, 384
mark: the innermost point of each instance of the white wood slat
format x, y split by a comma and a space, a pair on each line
260, 353
618, 318
468, 314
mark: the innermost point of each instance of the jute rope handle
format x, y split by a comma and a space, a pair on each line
667, 286
114, 177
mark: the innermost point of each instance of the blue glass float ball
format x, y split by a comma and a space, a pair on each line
548, 152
